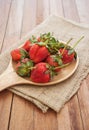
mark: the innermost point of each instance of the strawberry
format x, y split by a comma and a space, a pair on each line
38, 39
23, 68
27, 45
67, 57
18, 54
38, 53
39, 74
25, 60
68, 53
54, 60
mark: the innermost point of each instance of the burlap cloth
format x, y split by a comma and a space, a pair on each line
57, 95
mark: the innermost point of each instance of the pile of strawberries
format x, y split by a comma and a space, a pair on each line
42, 58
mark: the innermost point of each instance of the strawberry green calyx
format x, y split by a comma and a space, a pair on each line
52, 69
47, 40
57, 58
54, 60
33, 39
24, 68
24, 53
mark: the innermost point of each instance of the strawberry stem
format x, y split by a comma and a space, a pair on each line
66, 45
62, 66
77, 42
31, 68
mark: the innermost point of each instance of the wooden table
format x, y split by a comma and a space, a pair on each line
17, 17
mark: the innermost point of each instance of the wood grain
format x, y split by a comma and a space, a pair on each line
47, 121
4, 7
83, 96
11, 35
17, 113
5, 97
83, 9
22, 116
21, 107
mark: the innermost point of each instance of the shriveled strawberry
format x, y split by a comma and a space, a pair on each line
67, 57
25, 60
27, 45
38, 39
39, 74
54, 60
38, 53
18, 54
23, 68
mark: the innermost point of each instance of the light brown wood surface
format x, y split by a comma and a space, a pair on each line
17, 17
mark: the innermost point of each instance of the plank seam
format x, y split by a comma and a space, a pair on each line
10, 111
22, 20
63, 8
80, 111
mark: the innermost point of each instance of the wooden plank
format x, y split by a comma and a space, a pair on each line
63, 119
22, 115
56, 7
22, 108
4, 14
29, 16
5, 106
70, 10
4, 98
12, 34
47, 121
83, 95
14, 24
75, 114
83, 9
42, 10
39, 11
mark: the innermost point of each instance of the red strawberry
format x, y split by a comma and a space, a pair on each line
51, 61
54, 60
38, 53
67, 58
39, 74
18, 54
27, 45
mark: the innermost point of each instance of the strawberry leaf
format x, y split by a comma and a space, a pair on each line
33, 39
24, 53
75, 55
70, 51
25, 68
